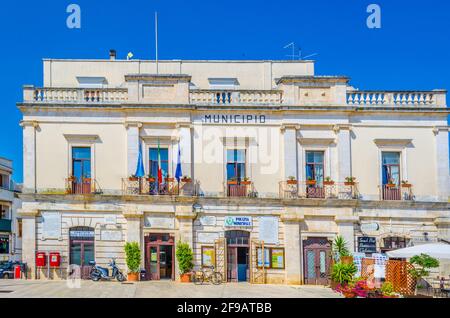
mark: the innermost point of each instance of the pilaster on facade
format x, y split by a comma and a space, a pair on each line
442, 162
29, 156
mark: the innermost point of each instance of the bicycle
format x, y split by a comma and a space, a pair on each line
207, 274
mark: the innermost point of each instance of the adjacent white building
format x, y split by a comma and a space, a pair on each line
277, 162
10, 225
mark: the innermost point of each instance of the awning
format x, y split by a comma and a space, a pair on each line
436, 250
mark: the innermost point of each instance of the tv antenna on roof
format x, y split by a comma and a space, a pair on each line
291, 45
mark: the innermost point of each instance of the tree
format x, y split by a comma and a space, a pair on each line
185, 257
422, 264
133, 256
340, 248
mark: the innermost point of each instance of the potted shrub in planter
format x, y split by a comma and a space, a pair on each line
151, 179
391, 184
232, 181
292, 180
133, 259
133, 178
186, 179
422, 263
340, 250
185, 261
406, 184
328, 181
311, 182
246, 181
169, 179
350, 181
343, 275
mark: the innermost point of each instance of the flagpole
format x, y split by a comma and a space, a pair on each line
156, 40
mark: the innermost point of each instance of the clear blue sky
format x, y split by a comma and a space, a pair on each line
410, 51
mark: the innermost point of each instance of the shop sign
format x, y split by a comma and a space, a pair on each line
234, 119
111, 235
238, 221
51, 225
370, 227
268, 229
207, 237
159, 222
367, 244
208, 220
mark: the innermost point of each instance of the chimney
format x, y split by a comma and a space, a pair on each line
112, 55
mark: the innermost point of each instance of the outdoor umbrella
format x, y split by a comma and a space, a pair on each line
436, 250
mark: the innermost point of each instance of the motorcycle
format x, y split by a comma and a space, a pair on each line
97, 273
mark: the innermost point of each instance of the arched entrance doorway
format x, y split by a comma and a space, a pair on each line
317, 260
82, 251
237, 255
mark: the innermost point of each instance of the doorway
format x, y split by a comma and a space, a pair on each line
159, 256
317, 261
82, 251
238, 256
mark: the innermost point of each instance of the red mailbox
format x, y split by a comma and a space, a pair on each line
55, 259
17, 272
41, 259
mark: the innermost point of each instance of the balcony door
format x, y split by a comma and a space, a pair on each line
236, 172
391, 177
156, 188
81, 170
315, 174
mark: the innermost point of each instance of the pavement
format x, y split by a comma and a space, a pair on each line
156, 289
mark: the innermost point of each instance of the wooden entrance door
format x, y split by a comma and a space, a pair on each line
317, 261
237, 255
159, 256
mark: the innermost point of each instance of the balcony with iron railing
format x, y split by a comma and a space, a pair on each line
168, 187
395, 192
293, 189
83, 186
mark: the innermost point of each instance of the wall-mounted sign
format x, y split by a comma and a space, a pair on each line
234, 119
159, 222
367, 244
238, 221
268, 229
209, 220
110, 219
51, 225
370, 227
207, 237
208, 256
111, 235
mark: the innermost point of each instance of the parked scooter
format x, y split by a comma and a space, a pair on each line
98, 273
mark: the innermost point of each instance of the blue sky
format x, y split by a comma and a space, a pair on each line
410, 51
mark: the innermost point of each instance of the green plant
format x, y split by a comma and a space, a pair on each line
343, 273
350, 179
311, 179
422, 263
387, 289
133, 256
328, 179
340, 248
292, 178
185, 257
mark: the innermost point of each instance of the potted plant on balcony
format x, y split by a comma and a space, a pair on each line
72, 179
350, 181
185, 261
406, 184
391, 184
169, 179
246, 181
328, 181
186, 179
232, 181
133, 259
151, 179
292, 180
311, 182
133, 178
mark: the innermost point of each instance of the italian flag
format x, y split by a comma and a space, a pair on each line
159, 165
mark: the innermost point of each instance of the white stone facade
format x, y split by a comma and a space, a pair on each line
275, 112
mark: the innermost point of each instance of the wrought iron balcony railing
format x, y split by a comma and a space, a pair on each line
313, 190
149, 186
391, 192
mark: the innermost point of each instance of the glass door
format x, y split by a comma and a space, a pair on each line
153, 254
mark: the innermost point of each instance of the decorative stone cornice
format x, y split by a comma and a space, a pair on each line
184, 125
442, 221
185, 212
338, 128
158, 77
132, 124
438, 129
33, 123
346, 219
392, 142
27, 213
285, 127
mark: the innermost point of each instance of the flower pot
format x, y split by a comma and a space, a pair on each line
151, 180
170, 179
246, 182
311, 182
349, 184
232, 182
185, 278
347, 260
391, 185
133, 277
292, 182
328, 183
186, 180
406, 185
133, 179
